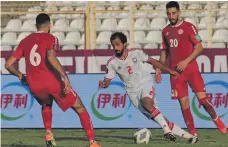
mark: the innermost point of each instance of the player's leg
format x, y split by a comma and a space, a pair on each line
84, 118
73, 100
176, 130
197, 84
180, 91
46, 110
149, 105
147, 99
186, 112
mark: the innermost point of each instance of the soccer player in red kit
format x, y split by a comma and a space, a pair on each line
44, 76
182, 44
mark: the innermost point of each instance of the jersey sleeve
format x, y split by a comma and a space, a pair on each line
193, 35
142, 55
164, 45
53, 43
18, 54
110, 72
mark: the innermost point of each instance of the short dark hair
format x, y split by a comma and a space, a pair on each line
173, 4
119, 35
42, 18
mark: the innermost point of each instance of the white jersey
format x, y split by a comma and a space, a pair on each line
132, 71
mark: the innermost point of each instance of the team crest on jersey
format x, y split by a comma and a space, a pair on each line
119, 68
167, 33
134, 60
180, 31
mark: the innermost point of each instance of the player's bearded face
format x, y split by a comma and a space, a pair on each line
118, 47
173, 15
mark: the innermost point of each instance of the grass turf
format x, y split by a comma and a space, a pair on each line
105, 137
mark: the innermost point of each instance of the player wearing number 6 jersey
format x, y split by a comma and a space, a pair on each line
129, 65
182, 44
43, 76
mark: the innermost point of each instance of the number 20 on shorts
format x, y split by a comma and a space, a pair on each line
174, 93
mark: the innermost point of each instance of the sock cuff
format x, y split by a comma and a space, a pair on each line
186, 109
155, 112
84, 113
171, 125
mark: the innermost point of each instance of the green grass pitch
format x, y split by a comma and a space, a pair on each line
106, 137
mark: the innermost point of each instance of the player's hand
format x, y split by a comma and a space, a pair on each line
101, 84
157, 76
174, 73
182, 65
67, 87
23, 79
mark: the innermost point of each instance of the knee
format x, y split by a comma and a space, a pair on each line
78, 107
184, 102
148, 103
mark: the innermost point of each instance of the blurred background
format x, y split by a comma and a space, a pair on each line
83, 29
88, 25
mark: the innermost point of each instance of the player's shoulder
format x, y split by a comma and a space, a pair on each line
187, 24
111, 60
131, 50
166, 28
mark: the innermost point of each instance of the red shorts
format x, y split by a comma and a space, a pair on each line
179, 86
45, 93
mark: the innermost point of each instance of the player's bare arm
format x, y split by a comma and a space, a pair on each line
9, 65
56, 64
163, 57
105, 83
159, 65
183, 64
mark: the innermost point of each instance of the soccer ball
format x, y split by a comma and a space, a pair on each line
142, 136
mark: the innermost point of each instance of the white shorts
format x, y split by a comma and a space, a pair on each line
146, 90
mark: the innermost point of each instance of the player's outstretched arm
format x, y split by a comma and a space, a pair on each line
163, 57
105, 83
161, 66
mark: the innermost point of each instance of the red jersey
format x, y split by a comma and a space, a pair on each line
34, 48
180, 41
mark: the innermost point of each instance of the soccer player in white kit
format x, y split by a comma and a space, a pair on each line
129, 65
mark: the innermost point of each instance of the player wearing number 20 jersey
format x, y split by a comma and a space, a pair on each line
182, 44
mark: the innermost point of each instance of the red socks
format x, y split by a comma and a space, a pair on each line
87, 125
47, 116
208, 107
189, 120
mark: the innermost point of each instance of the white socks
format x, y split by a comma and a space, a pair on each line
176, 130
